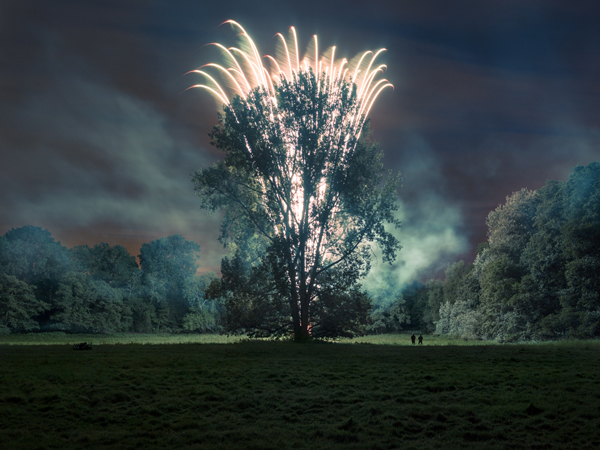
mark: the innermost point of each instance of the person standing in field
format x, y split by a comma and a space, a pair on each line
412, 338
420, 339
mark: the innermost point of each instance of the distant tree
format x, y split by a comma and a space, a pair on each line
454, 284
204, 314
415, 301
114, 265
501, 269
166, 264
297, 173
458, 314
31, 254
576, 245
18, 305
5, 257
459, 319
143, 314
390, 319
538, 276
253, 298
435, 298
83, 304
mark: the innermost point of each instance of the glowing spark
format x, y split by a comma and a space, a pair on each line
256, 75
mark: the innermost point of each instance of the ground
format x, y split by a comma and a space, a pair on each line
279, 395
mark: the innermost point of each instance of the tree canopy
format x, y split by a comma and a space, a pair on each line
45, 286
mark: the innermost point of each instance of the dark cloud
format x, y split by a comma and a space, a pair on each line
97, 140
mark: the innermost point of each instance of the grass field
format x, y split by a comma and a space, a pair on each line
114, 339
280, 395
59, 338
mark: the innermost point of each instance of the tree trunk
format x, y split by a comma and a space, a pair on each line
302, 335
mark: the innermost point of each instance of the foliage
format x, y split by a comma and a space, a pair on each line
101, 289
31, 254
18, 305
459, 314
203, 313
415, 298
251, 292
390, 319
433, 301
143, 314
342, 309
83, 304
538, 276
167, 264
113, 265
459, 319
296, 173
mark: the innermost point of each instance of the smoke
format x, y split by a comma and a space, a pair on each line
88, 160
431, 234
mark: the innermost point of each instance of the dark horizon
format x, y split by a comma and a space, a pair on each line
98, 140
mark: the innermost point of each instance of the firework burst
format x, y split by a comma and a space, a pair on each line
244, 71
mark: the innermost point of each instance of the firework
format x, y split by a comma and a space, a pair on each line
244, 70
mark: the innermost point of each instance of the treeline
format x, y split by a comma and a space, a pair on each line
101, 289
537, 276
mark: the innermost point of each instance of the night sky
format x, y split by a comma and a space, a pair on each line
98, 141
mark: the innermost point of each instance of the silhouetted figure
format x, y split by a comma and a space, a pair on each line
412, 338
420, 339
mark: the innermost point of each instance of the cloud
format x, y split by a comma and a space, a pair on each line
84, 154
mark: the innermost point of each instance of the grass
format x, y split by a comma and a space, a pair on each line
59, 338
279, 395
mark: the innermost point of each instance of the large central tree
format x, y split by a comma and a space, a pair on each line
300, 171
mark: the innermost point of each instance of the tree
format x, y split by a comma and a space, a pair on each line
501, 269
458, 314
32, 255
166, 264
539, 274
415, 297
203, 315
433, 301
390, 319
18, 305
459, 319
114, 265
253, 297
296, 172
83, 304
580, 246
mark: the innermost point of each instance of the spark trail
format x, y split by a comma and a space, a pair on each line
245, 71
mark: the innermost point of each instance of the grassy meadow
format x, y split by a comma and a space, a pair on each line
379, 392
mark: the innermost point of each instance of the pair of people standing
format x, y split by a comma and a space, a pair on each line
412, 338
